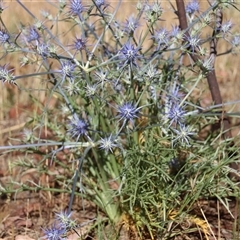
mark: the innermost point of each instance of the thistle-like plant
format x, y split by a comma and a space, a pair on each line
126, 111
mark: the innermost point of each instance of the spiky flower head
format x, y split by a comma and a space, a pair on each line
174, 111
129, 54
128, 112
226, 26
4, 37
208, 63
72, 88
131, 24
108, 143
176, 32
46, 14
76, 7
33, 35
101, 76
6, 75
152, 72
235, 40
173, 95
62, 4
43, 50
182, 135
64, 218
27, 135
153, 12
79, 44
100, 3
176, 114
68, 69
161, 37
193, 41
155, 8
55, 232
91, 90
78, 127
192, 7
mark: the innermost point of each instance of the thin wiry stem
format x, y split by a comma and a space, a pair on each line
80, 164
46, 144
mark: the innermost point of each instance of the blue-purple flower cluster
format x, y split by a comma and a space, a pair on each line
6, 75
63, 224
175, 113
192, 7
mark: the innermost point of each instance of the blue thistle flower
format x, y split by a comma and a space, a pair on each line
192, 7
152, 72
33, 35
226, 27
173, 111
73, 88
174, 96
131, 24
79, 44
100, 3
154, 9
193, 41
152, 12
43, 50
55, 232
108, 143
78, 127
68, 69
235, 40
4, 37
183, 135
161, 37
76, 7
129, 54
91, 90
6, 75
208, 63
101, 76
176, 114
175, 32
128, 112
65, 219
